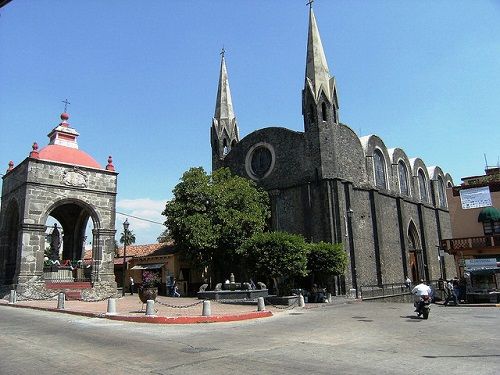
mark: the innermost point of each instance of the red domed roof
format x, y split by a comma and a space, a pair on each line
68, 155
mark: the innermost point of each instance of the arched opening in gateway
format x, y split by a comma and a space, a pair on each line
69, 243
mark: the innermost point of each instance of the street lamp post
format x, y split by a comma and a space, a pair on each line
125, 239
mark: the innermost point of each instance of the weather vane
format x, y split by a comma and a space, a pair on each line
223, 51
65, 104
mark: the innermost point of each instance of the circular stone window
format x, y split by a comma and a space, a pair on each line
260, 161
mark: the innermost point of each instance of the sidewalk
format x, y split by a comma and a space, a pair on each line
168, 310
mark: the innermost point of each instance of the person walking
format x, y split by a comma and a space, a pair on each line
132, 284
408, 282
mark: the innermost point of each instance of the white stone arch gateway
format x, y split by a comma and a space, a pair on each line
66, 183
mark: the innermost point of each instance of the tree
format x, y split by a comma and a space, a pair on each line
325, 260
164, 237
127, 237
278, 256
210, 216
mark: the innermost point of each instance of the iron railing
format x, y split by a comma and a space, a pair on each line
391, 290
465, 243
67, 271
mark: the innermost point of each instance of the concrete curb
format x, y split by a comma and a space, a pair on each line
158, 319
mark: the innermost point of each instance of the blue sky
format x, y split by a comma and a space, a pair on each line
142, 76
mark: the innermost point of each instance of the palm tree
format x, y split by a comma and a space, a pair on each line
127, 237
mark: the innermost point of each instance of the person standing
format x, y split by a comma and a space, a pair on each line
408, 282
132, 284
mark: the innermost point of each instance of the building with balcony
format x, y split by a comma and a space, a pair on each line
475, 224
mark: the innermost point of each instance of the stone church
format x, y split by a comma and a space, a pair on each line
67, 184
388, 210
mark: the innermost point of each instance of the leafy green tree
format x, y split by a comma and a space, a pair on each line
278, 256
325, 260
211, 215
164, 237
127, 237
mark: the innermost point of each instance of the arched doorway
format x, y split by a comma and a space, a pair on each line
415, 250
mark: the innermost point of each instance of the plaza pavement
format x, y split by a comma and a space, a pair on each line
170, 310
167, 310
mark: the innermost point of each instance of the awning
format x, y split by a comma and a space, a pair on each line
489, 214
147, 266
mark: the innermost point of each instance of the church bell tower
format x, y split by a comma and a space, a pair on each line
319, 98
224, 133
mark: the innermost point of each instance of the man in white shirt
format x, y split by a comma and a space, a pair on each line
419, 291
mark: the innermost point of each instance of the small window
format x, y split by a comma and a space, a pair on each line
403, 179
442, 192
491, 227
334, 114
379, 166
422, 186
224, 145
323, 111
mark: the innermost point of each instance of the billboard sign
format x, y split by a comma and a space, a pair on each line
475, 197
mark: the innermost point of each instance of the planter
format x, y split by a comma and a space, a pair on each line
148, 293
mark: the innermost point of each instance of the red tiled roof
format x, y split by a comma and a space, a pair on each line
148, 250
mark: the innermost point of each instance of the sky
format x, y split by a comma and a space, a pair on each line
141, 77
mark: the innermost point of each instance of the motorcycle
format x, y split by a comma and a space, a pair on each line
423, 306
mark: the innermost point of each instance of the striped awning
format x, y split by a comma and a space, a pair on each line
147, 266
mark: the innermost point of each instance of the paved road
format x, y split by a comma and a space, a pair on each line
360, 338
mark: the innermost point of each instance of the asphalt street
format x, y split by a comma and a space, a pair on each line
358, 338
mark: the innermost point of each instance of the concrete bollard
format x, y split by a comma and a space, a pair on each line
260, 304
150, 307
111, 306
301, 301
12, 297
207, 310
328, 298
60, 301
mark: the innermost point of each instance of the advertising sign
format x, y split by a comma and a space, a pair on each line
475, 197
474, 264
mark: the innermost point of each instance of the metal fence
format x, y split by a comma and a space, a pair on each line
391, 290
80, 271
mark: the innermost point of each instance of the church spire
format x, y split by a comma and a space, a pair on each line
318, 81
224, 133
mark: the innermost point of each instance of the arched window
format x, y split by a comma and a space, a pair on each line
422, 186
442, 192
404, 189
224, 145
323, 111
379, 166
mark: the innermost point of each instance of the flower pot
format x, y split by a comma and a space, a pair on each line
146, 293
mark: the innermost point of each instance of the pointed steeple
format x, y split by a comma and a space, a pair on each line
224, 133
319, 83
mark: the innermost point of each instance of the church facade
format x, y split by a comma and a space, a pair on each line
388, 210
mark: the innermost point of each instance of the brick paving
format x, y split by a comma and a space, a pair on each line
131, 308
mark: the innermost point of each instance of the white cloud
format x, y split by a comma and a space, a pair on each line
146, 231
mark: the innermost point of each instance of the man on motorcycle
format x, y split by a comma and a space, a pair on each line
422, 293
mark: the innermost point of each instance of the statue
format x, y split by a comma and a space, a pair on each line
218, 286
55, 243
203, 288
261, 285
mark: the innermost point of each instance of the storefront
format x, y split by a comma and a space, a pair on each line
482, 280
